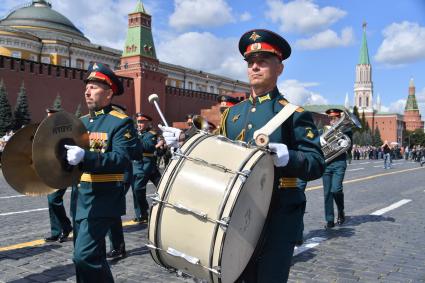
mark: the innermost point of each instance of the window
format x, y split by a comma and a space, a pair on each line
33, 57
45, 60
211, 88
16, 54
80, 63
190, 85
64, 62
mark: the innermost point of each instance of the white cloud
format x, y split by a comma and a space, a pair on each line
246, 16
102, 21
302, 16
206, 52
403, 43
395, 107
298, 93
200, 13
327, 39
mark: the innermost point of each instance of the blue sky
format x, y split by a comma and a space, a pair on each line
325, 37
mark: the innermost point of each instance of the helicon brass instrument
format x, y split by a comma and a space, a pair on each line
332, 139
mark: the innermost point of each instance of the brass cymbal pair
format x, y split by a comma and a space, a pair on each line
34, 159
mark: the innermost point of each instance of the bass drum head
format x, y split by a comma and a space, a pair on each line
247, 219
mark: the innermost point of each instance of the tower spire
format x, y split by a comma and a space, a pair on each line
139, 40
364, 52
411, 103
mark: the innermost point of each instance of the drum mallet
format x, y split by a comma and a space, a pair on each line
153, 99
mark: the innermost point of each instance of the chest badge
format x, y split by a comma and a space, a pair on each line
128, 135
309, 133
235, 118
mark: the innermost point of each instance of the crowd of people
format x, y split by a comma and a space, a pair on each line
3, 141
412, 153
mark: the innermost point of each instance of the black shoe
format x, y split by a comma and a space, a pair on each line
117, 254
63, 237
329, 224
144, 219
51, 238
341, 218
299, 243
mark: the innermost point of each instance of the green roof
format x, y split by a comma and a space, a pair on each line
411, 103
364, 53
140, 8
139, 40
322, 107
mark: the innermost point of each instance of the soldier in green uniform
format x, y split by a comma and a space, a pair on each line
99, 199
333, 178
116, 233
60, 225
295, 144
145, 169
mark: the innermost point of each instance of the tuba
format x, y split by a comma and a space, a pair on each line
330, 139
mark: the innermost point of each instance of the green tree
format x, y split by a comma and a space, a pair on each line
377, 140
78, 112
367, 137
22, 116
356, 113
6, 118
357, 138
363, 121
57, 104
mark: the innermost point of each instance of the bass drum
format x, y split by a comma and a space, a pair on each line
210, 208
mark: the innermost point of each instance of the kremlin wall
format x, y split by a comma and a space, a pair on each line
42, 49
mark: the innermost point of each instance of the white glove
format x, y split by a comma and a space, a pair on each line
281, 157
322, 141
74, 154
343, 143
171, 135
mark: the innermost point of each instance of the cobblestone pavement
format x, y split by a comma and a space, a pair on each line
372, 246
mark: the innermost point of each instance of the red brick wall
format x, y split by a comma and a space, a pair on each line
43, 82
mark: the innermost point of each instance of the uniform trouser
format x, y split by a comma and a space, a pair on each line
141, 205
90, 250
58, 220
140, 181
301, 184
332, 188
116, 233
272, 261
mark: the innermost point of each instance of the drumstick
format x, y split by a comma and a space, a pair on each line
153, 99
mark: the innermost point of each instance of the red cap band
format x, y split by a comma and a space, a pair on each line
104, 78
262, 47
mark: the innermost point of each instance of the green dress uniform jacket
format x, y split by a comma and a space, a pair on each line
332, 183
99, 199
148, 140
284, 224
143, 171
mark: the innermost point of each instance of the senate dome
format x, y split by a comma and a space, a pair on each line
36, 32
41, 20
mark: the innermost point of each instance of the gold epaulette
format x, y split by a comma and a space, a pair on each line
284, 102
222, 129
118, 114
153, 132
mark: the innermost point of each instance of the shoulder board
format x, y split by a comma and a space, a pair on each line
152, 132
283, 101
118, 114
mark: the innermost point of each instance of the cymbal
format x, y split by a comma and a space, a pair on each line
17, 165
49, 153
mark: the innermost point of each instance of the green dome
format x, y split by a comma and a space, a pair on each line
40, 14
